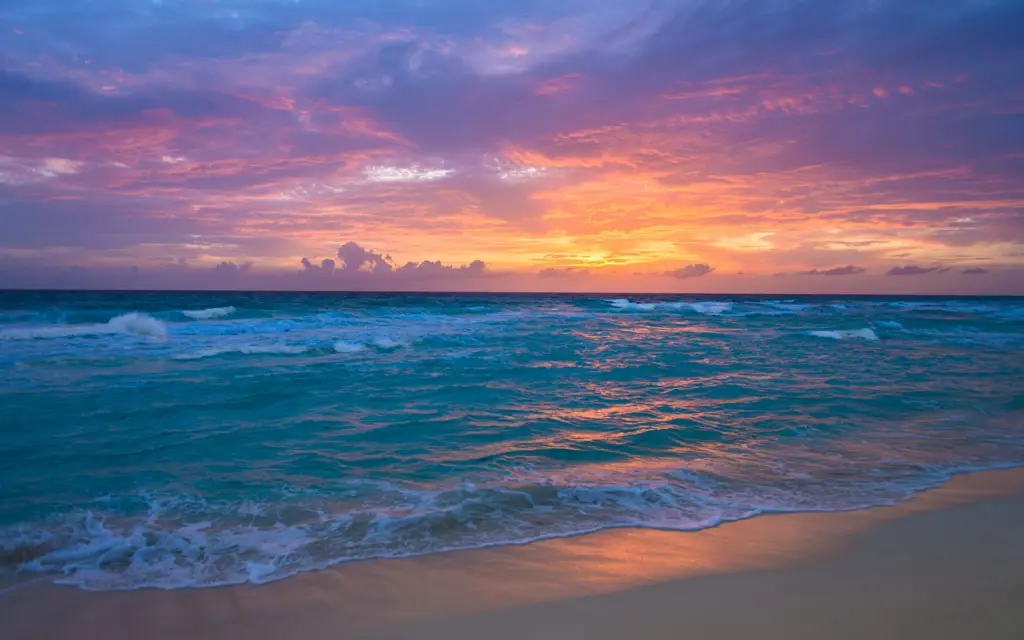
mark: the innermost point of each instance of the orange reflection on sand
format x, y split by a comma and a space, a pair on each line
382, 594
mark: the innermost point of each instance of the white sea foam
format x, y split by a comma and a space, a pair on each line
889, 324
206, 314
785, 305
386, 343
626, 305
191, 542
167, 558
861, 334
137, 324
247, 349
341, 346
704, 308
710, 308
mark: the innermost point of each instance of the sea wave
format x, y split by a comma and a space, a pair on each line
187, 541
890, 324
787, 305
386, 343
207, 314
845, 334
302, 431
342, 346
704, 308
247, 349
953, 307
136, 324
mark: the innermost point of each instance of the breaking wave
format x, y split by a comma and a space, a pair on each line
135, 324
247, 349
207, 314
704, 308
186, 541
846, 334
342, 346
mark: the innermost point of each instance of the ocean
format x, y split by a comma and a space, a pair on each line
175, 440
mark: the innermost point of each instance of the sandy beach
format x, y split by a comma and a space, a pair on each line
946, 564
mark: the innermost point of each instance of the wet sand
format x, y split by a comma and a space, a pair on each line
947, 564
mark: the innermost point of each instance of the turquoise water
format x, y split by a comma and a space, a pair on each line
193, 439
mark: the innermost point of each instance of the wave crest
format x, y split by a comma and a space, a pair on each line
187, 541
136, 324
846, 334
247, 349
207, 314
703, 308
347, 347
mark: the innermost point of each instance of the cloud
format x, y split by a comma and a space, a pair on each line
436, 269
910, 270
563, 272
357, 262
354, 258
228, 268
326, 266
796, 133
691, 271
975, 271
848, 270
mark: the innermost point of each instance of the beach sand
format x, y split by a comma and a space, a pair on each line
947, 564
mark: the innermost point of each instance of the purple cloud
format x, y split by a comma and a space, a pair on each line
326, 266
563, 272
354, 258
436, 269
228, 268
691, 271
975, 271
910, 270
358, 263
848, 270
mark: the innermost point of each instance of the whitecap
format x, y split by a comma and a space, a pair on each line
248, 349
387, 344
137, 324
711, 308
785, 305
206, 314
889, 324
844, 334
626, 305
704, 308
347, 347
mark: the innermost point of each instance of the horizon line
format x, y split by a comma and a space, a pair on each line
4, 290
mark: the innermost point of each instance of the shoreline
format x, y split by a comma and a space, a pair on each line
450, 592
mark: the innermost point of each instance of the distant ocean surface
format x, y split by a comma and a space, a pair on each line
196, 439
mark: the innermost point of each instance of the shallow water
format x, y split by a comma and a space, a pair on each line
193, 439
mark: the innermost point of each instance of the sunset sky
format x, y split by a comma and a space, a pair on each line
562, 145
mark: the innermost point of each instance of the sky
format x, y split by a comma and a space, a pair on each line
805, 146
